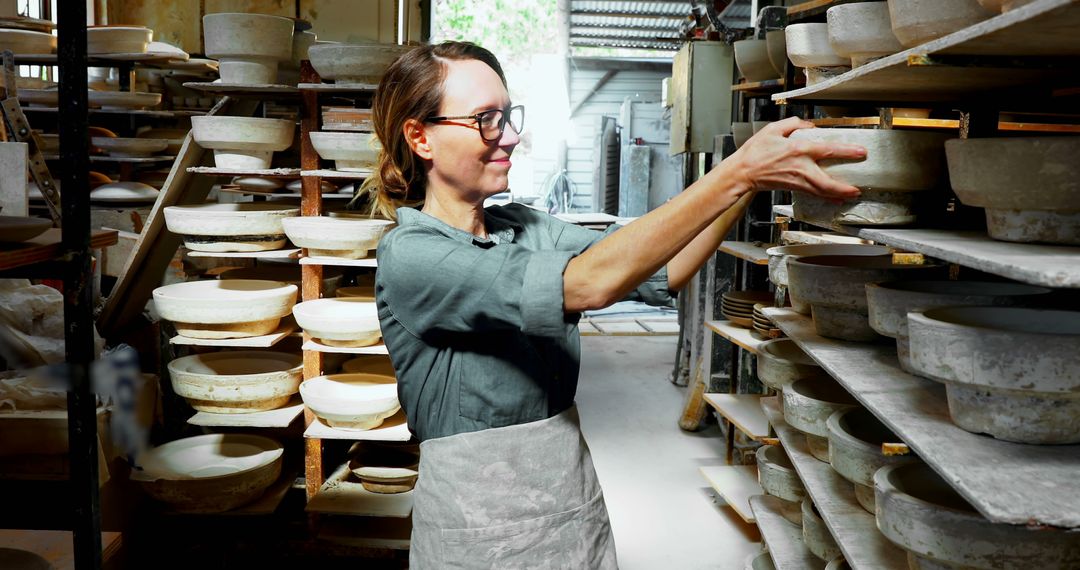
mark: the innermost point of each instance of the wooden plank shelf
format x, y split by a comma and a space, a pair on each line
325, 195
988, 472
393, 428
742, 410
316, 260
931, 73
753, 252
120, 159
99, 60
759, 87
944, 124
854, 529
783, 537
736, 484
342, 494
161, 113
337, 174
265, 341
244, 90
293, 253
46, 247
230, 172
280, 418
339, 87
784, 210
736, 334
319, 347
798, 238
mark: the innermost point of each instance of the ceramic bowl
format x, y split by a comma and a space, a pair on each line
862, 32
286, 273
241, 227
354, 63
122, 100
245, 143
742, 132
124, 193
781, 362
776, 43
248, 46
808, 403
346, 238
986, 172
759, 561
234, 308
258, 184
921, 513
752, 58
777, 475
916, 22
369, 365
125, 147
351, 152
343, 322
15, 229
175, 137
1009, 372
816, 535
40, 98
25, 42
237, 382
209, 473
166, 49
808, 46
855, 439
779, 256
117, 39
386, 470
351, 401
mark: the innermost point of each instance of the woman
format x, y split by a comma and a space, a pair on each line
479, 308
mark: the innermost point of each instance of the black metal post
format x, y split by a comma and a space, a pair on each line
78, 286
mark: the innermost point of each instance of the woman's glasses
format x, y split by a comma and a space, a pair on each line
491, 124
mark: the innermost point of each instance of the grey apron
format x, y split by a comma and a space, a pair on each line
516, 497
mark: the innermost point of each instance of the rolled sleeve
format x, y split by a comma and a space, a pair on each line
542, 307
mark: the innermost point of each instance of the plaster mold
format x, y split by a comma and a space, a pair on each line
816, 535
916, 22
855, 438
354, 63
779, 256
244, 143
240, 227
862, 32
351, 152
237, 382
780, 362
808, 403
340, 321
351, 401
347, 238
752, 58
248, 46
230, 308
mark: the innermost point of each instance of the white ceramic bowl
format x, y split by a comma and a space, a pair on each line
354, 63
862, 31
916, 22
351, 401
808, 46
124, 193
14, 229
233, 308
752, 58
742, 131
117, 39
347, 238
340, 321
246, 143
242, 226
26, 42
122, 100
351, 152
126, 147
236, 382
210, 473
248, 46
386, 470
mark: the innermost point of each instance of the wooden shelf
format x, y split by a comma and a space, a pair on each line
968, 64
389, 534
393, 428
750, 251
279, 418
944, 124
736, 334
342, 494
162, 113
244, 90
854, 529
783, 537
984, 470
99, 60
316, 260
759, 87
319, 347
784, 210
339, 87
126, 159
798, 238
337, 174
272, 254
736, 484
264, 341
230, 172
46, 247
325, 195
743, 410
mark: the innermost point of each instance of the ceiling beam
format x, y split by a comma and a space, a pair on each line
626, 45
646, 16
589, 30
621, 64
629, 39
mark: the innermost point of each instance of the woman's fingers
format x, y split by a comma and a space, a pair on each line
789, 125
837, 151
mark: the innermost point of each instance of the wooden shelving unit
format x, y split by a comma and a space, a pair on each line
742, 410
783, 537
736, 484
752, 252
950, 124
767, 86
736, 334
265, 341
280, 418
46, 247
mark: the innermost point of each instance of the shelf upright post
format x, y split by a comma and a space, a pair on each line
78, 286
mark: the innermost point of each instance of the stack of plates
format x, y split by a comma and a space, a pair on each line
763, 325
738, 306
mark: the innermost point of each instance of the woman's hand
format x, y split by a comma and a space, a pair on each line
771, 161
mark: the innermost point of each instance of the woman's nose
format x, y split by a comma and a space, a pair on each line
509, 137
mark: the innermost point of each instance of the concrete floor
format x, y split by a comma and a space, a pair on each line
663, 513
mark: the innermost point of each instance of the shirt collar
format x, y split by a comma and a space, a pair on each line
500, 230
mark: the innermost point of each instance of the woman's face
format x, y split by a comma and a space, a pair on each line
459, 158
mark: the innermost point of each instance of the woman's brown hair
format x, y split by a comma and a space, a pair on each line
411, 88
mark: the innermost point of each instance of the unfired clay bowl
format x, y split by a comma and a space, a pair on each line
234, 308
1003, 5
916, 22
986, 173
752, 58
778, 478
258, 184
835, 287
117, 39
862, 31
15, 229
26, 42
922, 514
897, 163
760, 561
122, 100
241, 227
248, 46
1009, 372
340, 321
351, 152
779, 256
124, 193
346, 238
816, 535
855, 438
776, 43
129, 147
780, 362
386, 470
369, 365
889, 303
808, 46
808, 403
209, 473
359, 63
742, 131
245, 143
351, 401
237, 382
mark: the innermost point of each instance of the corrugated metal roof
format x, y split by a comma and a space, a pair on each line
650, 33
669, 8
642, 24
626, 22
624, 43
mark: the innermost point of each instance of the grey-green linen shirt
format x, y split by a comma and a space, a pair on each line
475, 327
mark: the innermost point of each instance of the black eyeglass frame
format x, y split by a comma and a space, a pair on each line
479, 118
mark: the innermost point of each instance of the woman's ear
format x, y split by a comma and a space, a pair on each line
416, 137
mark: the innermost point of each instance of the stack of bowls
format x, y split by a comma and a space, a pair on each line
781, 362
738, 306
763, 325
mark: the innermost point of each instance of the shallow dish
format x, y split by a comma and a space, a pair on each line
26, 42
127, 147
117, 39
341, 321
354, 63
124, 192
229, 308
258, 184
386, 470
351, 152
351, 401
241, 226
346, 238
237, 382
